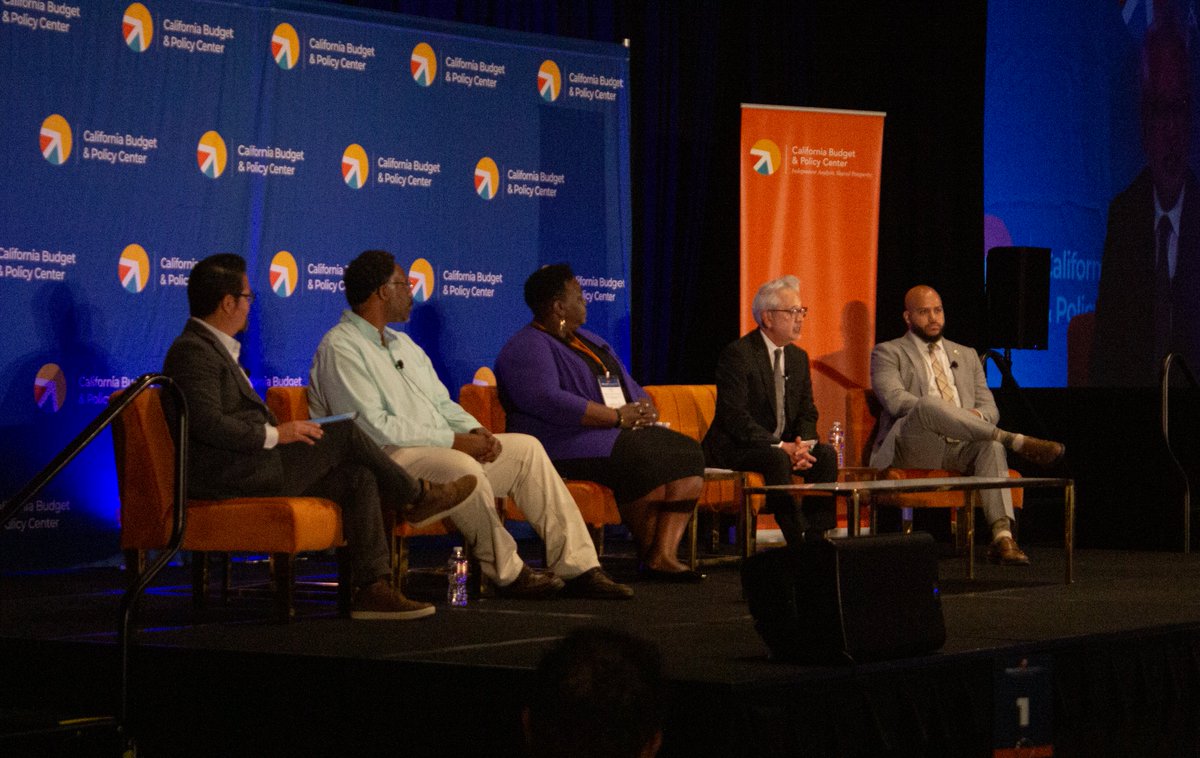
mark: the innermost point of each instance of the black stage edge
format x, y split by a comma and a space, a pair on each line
1122, 646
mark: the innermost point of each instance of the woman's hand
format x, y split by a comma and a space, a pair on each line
638, 414
629, 416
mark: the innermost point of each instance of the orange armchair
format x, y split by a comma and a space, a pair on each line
862, 417
689, 409
281, 526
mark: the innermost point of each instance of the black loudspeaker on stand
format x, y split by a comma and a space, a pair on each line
847, 600
1018, 297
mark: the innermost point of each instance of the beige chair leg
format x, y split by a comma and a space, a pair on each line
397, 550
693, 560
1069, 530
969, 517
484, 587
399, 560
747, 522
226, 577
345, 573
597, 535
199, 580
283, 569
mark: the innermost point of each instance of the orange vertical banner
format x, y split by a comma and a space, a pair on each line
810, 207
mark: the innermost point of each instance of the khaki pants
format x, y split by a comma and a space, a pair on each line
524, 472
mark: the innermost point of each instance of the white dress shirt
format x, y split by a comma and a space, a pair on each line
234, 348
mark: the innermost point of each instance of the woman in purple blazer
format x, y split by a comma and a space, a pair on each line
565, 386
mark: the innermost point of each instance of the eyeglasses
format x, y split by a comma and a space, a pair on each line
401, 283
248, 295
795, 312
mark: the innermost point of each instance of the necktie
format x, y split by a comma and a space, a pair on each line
1162, 288
779, 394
939, 374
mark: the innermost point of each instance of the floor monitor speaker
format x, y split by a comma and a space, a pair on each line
847, 600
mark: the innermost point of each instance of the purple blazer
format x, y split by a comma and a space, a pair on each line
544, 387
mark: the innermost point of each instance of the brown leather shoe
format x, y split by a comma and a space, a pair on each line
597, 585
1042, 452
531, 585
437, 500
1005, 552
379, 602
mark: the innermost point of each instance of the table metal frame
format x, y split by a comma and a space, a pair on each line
745, 522
855, 491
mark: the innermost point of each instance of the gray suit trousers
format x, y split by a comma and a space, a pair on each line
939, 434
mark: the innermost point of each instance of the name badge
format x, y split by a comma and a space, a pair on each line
610, 390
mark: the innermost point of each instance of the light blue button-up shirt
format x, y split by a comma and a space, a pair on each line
391, 383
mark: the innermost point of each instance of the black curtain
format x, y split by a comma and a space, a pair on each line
693, 63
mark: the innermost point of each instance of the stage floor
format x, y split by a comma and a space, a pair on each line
706, 634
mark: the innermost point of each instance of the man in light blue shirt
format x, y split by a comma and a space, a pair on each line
362, 365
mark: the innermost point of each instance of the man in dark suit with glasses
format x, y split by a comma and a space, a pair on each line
766, 420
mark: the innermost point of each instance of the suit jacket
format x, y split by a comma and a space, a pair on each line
745, 416
1123, 351
899, 378
226, 420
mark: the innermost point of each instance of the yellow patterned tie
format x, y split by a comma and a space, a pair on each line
939, 374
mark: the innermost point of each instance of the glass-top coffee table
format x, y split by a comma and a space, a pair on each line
854, 492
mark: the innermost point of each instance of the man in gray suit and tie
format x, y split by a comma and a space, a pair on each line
939, 413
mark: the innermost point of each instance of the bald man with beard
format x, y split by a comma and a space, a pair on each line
939, 413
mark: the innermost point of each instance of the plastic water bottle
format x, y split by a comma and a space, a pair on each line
837, 438
459, 572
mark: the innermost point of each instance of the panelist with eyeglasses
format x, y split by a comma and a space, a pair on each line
766, 420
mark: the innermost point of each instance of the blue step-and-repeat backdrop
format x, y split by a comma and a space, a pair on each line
138, 138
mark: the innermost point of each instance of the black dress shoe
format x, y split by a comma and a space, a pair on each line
687, 576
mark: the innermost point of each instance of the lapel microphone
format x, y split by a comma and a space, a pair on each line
399, 364
953, 365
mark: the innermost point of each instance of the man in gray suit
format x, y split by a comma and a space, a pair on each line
237, 448
939, 413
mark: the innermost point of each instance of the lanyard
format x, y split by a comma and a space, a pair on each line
578, 345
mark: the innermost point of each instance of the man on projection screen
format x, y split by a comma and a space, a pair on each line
1148, 303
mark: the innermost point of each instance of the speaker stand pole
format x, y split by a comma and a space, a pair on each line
1009, 382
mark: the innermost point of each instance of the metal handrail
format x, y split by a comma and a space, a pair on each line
178, 521
1169, 360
